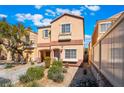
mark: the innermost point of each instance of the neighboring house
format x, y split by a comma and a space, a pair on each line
62, 39
102, 26
107, 51
31, 51
89, 52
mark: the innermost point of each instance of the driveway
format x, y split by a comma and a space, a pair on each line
14, 73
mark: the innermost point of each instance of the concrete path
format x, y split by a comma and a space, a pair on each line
14, 73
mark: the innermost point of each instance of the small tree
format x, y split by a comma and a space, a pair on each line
14, 38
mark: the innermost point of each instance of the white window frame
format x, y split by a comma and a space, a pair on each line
44, 31
105, 28
65, 31
70, 54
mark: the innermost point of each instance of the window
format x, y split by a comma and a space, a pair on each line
105, 26
65, 28
46, 33
70, 53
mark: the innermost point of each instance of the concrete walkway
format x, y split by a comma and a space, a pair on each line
14, 73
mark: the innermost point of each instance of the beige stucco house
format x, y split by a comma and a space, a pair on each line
107, 49
62, 39
31, 51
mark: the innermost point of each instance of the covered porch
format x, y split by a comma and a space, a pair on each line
52, 53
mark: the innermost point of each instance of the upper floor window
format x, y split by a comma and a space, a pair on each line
46, 33
65, 28
105, 26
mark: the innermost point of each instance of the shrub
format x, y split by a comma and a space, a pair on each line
57, 63
24, 78
9, 65
56, 72
64, 70
35, 73
6, 83
32, 63
58, 77
33, 84
53, 71
66, 65
47, 62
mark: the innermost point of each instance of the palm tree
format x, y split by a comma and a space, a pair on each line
13, 37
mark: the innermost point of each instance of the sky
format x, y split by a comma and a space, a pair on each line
40, 15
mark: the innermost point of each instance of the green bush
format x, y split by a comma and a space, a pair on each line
47, 62
24, 78
35, 73
64, 70
57, 63
32, 63
66, 65
55, 72
58, 77
33, 84
9, 65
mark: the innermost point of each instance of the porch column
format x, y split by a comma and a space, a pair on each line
52, 55
39, 55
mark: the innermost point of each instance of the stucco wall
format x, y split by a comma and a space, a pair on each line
40, 35
76, 28
79, 48
112, 54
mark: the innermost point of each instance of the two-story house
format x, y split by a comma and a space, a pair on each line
102, 26
31, 51
106, 50
62, 39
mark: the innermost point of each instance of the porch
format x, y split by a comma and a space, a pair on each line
53, 54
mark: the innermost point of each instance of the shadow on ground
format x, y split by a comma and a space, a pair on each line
84, 77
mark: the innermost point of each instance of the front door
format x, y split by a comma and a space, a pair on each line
42, 56
57, 54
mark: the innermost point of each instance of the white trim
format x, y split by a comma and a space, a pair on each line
44, 34
71, 60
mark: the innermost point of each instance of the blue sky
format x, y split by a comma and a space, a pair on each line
39, 15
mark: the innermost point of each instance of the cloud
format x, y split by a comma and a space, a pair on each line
36, 18
45, 22
87, 36
50, 12
87, 40
3, 16
74, 11
21, 17
92, 7
38, 6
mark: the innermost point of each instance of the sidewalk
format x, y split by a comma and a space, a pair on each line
14, 73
